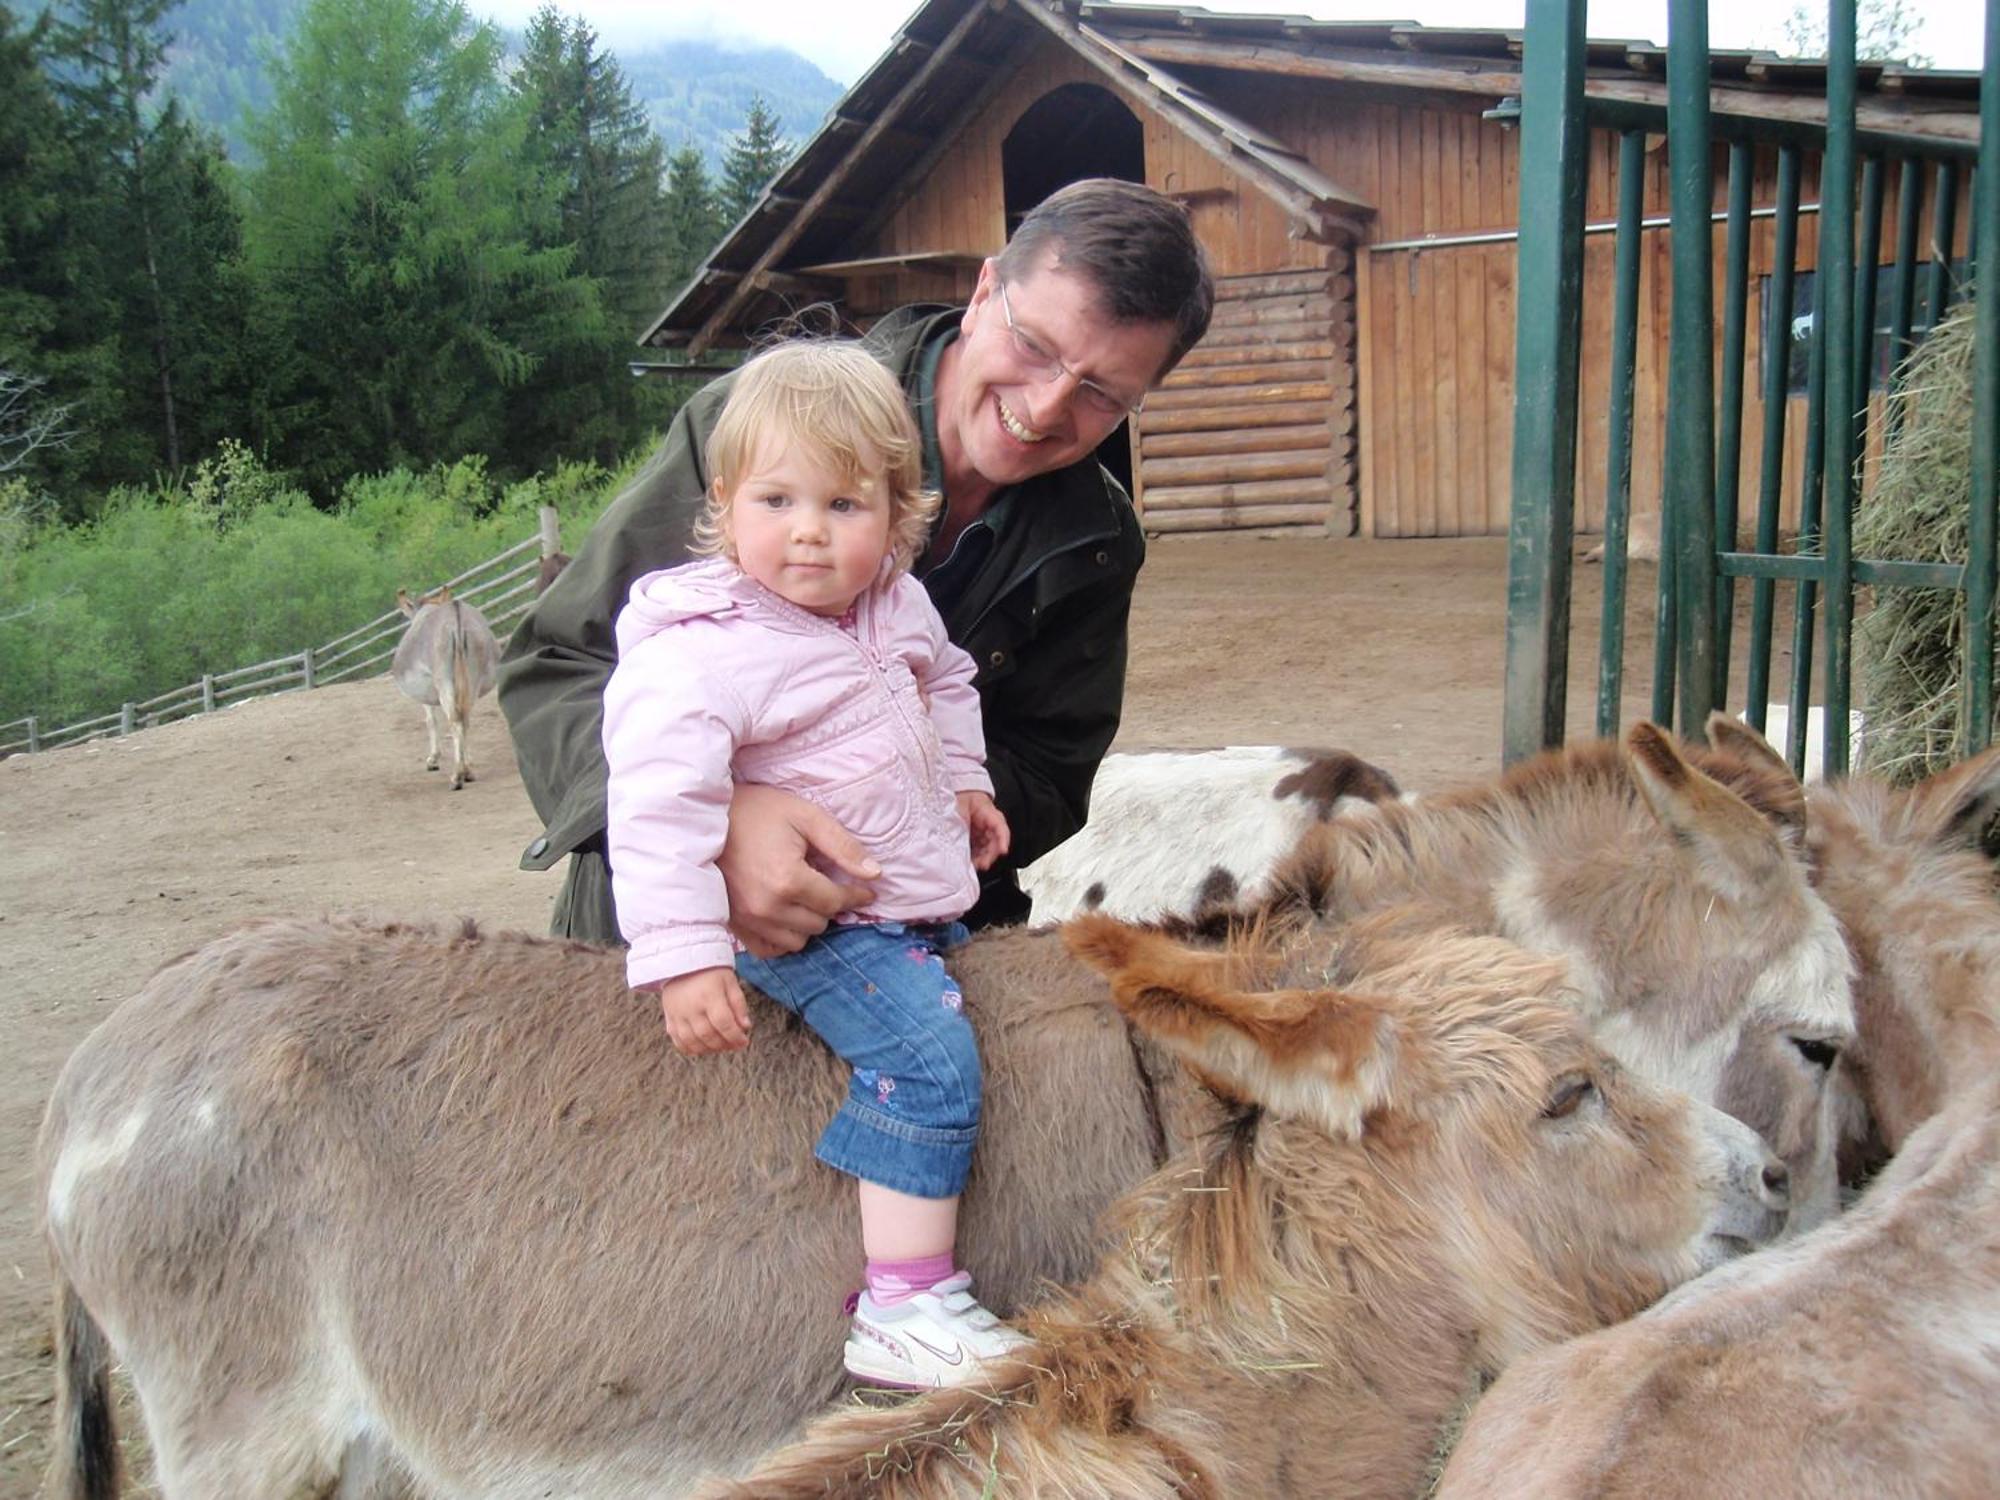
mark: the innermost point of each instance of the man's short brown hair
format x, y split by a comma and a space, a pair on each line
1133, 245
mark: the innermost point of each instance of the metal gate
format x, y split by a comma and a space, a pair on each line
1702, 498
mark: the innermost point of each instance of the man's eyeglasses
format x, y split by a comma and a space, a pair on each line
1043, 365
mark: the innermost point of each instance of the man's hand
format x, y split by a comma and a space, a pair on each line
990, 835
776, 900
705, 1012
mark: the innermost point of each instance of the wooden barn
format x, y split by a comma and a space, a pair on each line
1356, 184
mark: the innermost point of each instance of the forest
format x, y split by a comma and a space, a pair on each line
250, 396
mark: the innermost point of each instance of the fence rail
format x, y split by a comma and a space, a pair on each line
502, 587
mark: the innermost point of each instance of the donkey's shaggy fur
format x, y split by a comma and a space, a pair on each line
1859, 1360
1437, 1172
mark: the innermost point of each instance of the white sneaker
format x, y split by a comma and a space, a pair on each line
939, 1337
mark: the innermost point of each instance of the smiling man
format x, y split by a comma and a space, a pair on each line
1098, 295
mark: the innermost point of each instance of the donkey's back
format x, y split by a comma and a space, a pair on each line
360, 1204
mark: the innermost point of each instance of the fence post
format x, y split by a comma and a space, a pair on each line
306, 661
208, 692
1555, 152
551, 535
125, 714
1977, 723
34, 734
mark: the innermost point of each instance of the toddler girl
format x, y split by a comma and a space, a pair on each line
800, 654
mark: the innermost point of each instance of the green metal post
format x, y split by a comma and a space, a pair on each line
1729, 455
1979, 567
1944, 229
1690, 445
1805, 594
1555, 149
1836, 281
1902, 286
1777, 384
1618, 461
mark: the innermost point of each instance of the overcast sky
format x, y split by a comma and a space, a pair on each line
845, 36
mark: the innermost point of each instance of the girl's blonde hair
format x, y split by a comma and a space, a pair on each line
834, 398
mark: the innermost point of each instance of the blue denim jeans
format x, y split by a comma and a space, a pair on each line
878, 994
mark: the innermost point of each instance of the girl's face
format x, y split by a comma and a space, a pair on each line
806, 533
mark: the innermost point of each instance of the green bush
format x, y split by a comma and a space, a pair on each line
238, 567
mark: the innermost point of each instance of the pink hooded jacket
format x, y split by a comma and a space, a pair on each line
719, 680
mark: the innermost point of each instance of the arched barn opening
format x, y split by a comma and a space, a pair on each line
1078, 130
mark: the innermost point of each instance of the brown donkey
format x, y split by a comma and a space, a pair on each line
1860, 1360
347, 1198
1438, 1171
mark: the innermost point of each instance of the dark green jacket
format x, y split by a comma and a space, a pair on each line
1044, 618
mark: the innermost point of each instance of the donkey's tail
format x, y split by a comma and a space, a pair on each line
85, 1465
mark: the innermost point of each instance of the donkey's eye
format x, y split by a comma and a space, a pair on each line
1571, 1090
1821, 1052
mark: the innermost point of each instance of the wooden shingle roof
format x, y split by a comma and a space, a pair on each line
887, 133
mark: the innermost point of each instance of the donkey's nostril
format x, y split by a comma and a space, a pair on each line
1777, 1180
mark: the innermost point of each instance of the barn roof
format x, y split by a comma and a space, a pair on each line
884, 136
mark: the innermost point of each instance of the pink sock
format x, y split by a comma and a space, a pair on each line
893, 1281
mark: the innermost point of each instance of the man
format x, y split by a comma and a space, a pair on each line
1095, 299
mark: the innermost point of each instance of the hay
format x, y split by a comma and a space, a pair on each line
1908, 646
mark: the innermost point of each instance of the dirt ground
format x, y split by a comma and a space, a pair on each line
124, 853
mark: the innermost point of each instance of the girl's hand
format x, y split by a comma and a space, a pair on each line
990, 838
705, 1012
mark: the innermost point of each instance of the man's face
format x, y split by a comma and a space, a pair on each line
1008, 411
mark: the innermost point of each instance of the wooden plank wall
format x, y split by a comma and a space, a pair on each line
1256, 427
1437, 324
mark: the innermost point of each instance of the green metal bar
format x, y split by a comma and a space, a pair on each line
1729, 455
1837, 269
1777, 404
1618, 462
1555, 153
1944, 229
1666, 617
1889, 574
1690, 444
1903, 286
1805, 598
1979, 564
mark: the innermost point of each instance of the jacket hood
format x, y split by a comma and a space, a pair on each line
693, 591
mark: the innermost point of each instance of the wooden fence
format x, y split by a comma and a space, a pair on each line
502, 587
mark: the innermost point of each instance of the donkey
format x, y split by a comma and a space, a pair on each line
1436, 1172
343, 1195
1859, 1360
1180, 831
447, 661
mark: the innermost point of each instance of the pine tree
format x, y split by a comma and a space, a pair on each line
755, 155
694, 217
138, 165
408, 245
595, 145
55, 349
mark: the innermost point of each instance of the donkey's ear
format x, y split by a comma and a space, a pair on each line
1734, 851
1961, 804
405, 603
1320, 1055
1759, 775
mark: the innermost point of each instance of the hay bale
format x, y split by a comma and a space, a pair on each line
1908, 645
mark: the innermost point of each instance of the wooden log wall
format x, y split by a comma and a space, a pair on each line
1256, 428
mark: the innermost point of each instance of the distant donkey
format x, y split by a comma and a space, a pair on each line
446, 661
